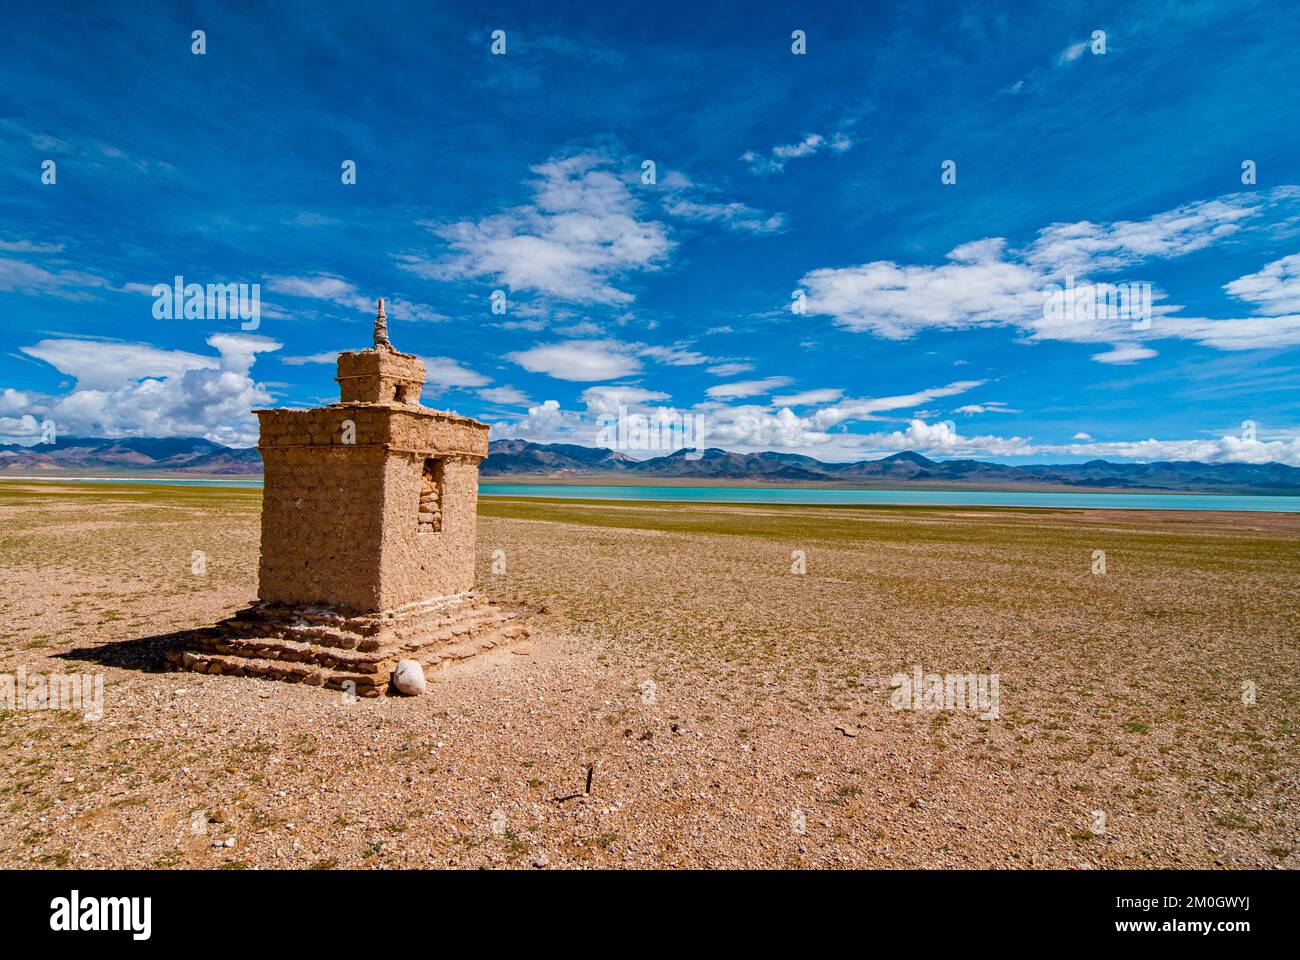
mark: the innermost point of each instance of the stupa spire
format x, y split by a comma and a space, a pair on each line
381, 328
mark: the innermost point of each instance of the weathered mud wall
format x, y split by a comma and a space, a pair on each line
342, 504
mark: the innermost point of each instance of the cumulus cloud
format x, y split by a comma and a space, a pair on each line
13, 402
1227, 449
135, 389
581, 234
941, 439
104, 364
605, 401
742, 427
545, 423
822, 432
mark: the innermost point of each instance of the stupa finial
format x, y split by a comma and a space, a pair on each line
381, 327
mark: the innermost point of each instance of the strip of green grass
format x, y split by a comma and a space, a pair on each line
1000, 527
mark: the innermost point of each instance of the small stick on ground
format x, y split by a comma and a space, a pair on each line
591, 770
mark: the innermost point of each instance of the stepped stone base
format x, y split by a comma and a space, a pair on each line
319, 647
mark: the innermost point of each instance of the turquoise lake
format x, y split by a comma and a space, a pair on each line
812, 495
1114, 501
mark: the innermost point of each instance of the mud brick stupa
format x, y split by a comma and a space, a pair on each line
368, 521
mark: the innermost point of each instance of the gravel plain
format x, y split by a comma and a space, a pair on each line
724, 710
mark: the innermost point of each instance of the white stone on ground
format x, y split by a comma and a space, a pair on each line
408, 678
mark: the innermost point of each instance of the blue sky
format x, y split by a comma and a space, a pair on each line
924, 324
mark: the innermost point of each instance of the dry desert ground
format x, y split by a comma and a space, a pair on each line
729, 712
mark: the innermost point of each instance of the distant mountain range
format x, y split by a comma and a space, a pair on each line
161, 454
520, 458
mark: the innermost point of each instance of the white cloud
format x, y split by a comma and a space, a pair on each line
577, 239
545, 423
977, 288
506, 395
330, 356
134, 389
338, 291
675, 356
1275, 289
13, 402
984, 284
1086, 247
589, 360
532, 326
991, 406
446, 372
690, 201
440, 372
747, 388
774, 161
810, 144
730, 369
100, 364
579, 360
870, 408
1227, 449
1071, 53
605, 401
18, 429
583, 329
808, 398
751, 427
17, 276
940, 439
1124, 353
28, 246
1082, 436
1244, 333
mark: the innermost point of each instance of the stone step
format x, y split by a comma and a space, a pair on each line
446, 656
279, 649
288, 649
363, 685
452, 631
